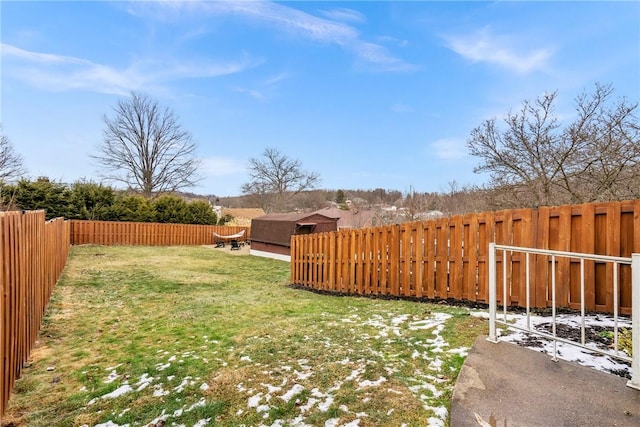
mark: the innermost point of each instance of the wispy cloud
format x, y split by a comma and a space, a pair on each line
448, 148
484, 46
301, 24
265, 89
59, 73
344, 15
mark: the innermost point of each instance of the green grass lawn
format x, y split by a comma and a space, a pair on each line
195, 336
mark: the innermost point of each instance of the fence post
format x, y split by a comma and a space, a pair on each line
634, 382
493, 304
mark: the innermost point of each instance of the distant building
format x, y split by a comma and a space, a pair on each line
351, 218
271, 233
241, 216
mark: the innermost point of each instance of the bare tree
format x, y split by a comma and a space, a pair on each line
145, 148
10, 161
276, 178
534, 162
608, 137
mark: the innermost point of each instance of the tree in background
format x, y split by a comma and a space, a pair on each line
200, 212
145, 148
170, 209
89, 200
174, 209
341, 200
43, 194
276, 179
535, 162
131, 207
10, 161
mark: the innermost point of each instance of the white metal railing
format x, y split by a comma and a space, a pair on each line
634, 261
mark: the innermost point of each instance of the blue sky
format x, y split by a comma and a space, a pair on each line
367, 94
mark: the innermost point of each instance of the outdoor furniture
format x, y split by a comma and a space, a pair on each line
235, 245
219, 240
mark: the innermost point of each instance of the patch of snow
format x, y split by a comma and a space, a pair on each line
204, 387
303, 375
332, 422
565, 351
254, 401
144, 381
158, 391
271, 388
202, 423
185, 383
462, 351
435, 422
368, 383
295, 390
437, 319
263, 408
110, 424
324, 406
312, 401
162, 367
113, 375
163, 417
123, 389
198, 404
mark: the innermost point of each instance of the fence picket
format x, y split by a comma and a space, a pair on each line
32, 256
447, 257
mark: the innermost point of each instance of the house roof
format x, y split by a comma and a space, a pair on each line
352, 218
249, 213
277, 228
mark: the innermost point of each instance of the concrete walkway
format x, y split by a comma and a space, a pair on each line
505, 385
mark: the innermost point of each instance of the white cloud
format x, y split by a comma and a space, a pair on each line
221, 166
59, 73
448, 148
483, 46
301, 24
344, 15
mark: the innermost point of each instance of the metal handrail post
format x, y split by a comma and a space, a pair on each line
634, 382
493, 303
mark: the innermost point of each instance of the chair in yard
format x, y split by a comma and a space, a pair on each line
219, 240
219, 243
235, 245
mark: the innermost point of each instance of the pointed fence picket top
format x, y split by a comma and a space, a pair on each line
447, 258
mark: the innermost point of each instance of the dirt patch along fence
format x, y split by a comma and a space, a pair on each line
447, 258
148, 233
33, 253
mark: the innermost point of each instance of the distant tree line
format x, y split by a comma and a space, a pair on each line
532, 157
87, 200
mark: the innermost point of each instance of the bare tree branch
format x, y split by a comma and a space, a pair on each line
10, 161
276, 178
145, 148
594, 158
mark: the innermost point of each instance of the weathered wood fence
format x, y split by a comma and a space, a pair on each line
147, 233
33, 253
447, 258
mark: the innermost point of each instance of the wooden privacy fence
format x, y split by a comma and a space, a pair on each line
33, 254
447, 258
147, 233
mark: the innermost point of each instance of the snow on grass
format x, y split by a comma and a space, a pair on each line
389, 329
565, 351
385, 343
